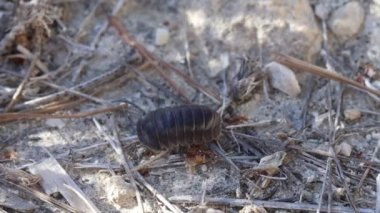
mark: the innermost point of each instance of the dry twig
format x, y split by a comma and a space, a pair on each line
10, 200
96, 38
20, 88
39, 195
8, 117
307, 67
366, 172
378, 193
19, 176
157, 62
214, 147
156, 193
256, 124
56, 179
64, 89
119, 4
86, 21
333, 128
188, 199
332, 142
61, 97
80, 94
29, 55
83, 87
326, 180
116, 145
150, 161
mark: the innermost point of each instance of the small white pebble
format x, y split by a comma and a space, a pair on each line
340, 191
344, 149
322, 11
225, 60
347, 21
119, 192
311, 179
140, 151
216, 65
55, 122
162, 36
352, 114
211, 210
283, 78
368, 137
375, 135
204, 168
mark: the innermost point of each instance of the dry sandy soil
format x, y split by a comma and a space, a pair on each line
75, 77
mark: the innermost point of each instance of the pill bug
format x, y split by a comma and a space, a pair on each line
170, 127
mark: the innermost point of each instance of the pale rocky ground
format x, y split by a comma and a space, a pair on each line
217, 33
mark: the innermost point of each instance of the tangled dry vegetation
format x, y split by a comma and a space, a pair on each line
75, 77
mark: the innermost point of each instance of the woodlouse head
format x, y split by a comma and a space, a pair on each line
144, 137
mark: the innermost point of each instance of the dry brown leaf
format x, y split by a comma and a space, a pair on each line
19, 176
271, 163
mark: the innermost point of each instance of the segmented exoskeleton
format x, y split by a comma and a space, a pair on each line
184, 125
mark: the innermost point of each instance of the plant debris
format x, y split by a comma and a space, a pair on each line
296, 88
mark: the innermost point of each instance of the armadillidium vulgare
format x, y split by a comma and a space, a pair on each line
180, 125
